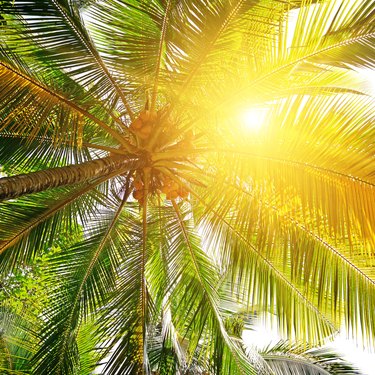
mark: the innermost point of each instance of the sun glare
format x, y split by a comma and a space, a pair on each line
253, 118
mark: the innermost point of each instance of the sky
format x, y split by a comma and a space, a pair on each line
364, 359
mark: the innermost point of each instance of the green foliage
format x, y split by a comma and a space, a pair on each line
24, 296
27, 289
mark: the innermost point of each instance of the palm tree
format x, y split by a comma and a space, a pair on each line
121, 127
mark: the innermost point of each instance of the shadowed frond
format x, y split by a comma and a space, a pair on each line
46, 110
91, 264
56, 28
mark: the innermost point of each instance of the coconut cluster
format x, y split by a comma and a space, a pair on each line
167, 137
142, 126
158, 184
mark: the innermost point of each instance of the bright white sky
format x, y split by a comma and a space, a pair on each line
362, 358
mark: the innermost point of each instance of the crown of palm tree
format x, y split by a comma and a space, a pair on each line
120, 120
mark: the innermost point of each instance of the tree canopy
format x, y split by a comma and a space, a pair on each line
172, 163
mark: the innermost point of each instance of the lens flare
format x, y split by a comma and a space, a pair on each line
253, 119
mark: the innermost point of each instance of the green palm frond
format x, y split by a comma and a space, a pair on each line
20, 155
121, 324
29, 224
43, 107
65, 42
199, 300
88, 268
17, 346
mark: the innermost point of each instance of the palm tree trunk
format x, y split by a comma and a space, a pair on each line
16, 186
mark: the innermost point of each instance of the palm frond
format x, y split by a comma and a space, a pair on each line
139, 27
87, 284
282, 65
34, 108
322, 265
121, 325
66, 44
212, 24
197, 308
16, 345
284, 359
245, 258
159, 61
20, 155
28, 224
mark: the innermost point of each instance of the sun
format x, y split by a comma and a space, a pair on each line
253, 119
